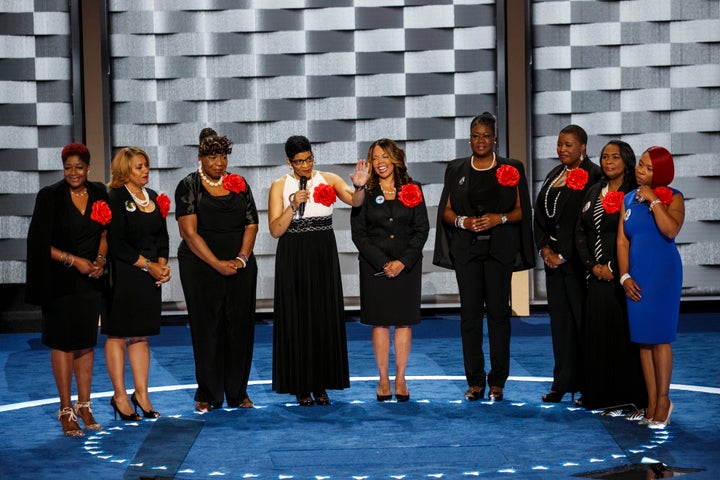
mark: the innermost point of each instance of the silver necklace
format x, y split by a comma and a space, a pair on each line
208, 181
141, 203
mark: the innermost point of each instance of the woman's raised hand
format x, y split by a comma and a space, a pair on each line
361, 174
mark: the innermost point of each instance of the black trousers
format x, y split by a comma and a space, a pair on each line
565, 294
222, 327
484, 285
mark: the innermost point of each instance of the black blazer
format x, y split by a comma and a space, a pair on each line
126, 242
389, 230
45, 278
562, 225
510, 243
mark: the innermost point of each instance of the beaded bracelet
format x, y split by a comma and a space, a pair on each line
460, 222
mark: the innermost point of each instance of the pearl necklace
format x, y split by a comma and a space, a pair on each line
141, 203
547, 192
388, 192
207, 180
82, 194
472, 164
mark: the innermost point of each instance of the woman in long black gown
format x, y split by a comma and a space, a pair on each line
66, 250
612, 372
309, 343
139, 244
218, 223
389, 231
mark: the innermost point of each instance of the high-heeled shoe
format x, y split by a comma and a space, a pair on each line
69, 423
146, 413
636, 415
132, 417
402, 397
304, 400
496, 394
474, 393
658, 425
554, 397
83, 410
321, 398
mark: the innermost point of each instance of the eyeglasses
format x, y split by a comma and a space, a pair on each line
486, 137
309, 160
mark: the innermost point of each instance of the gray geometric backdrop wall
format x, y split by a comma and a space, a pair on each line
647, 72
342, 73
347, 72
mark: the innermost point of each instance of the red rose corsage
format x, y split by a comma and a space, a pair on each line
163, 203
507, 176
576, 179
324, 194
234, 183
613, 201
101, 212
410, 195
664, 194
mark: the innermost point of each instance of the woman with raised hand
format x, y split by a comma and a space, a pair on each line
389, 231
309, 342
66, 250
139, 247
218, 223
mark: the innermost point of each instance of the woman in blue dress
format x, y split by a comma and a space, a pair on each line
651, 274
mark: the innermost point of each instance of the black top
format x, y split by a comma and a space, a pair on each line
558, 231
221, 220
133, 232
510, 243
57, 222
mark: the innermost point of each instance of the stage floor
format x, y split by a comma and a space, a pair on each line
435, 435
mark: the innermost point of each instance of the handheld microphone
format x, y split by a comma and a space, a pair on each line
303, 184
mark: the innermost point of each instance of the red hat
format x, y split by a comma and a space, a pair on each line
662, 164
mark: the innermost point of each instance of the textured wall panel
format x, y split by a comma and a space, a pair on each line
644, 71
342, 72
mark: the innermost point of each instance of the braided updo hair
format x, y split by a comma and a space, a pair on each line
212, 144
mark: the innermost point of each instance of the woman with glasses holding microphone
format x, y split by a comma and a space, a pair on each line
309, 343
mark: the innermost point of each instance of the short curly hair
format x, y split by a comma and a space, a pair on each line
211, 143
76, 150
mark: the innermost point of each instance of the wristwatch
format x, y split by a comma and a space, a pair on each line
147, 265
503, 219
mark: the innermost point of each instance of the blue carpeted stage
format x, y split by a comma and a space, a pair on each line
436, 435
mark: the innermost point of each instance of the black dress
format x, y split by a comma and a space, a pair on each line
309, 340
385, 230
134, 302
221, 308
71, 302
612, 372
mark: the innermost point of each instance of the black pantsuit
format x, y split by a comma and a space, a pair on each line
556, 216
484, 264
484, 285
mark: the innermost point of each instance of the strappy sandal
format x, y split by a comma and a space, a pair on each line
69, 423
474, 393
84, 411
635, 415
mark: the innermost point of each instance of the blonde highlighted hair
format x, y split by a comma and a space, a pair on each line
120, 167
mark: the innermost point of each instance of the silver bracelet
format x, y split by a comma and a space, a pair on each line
459, 222
653, 203
624, 277
562, 259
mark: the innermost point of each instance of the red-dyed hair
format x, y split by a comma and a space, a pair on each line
663, 167
76, 149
